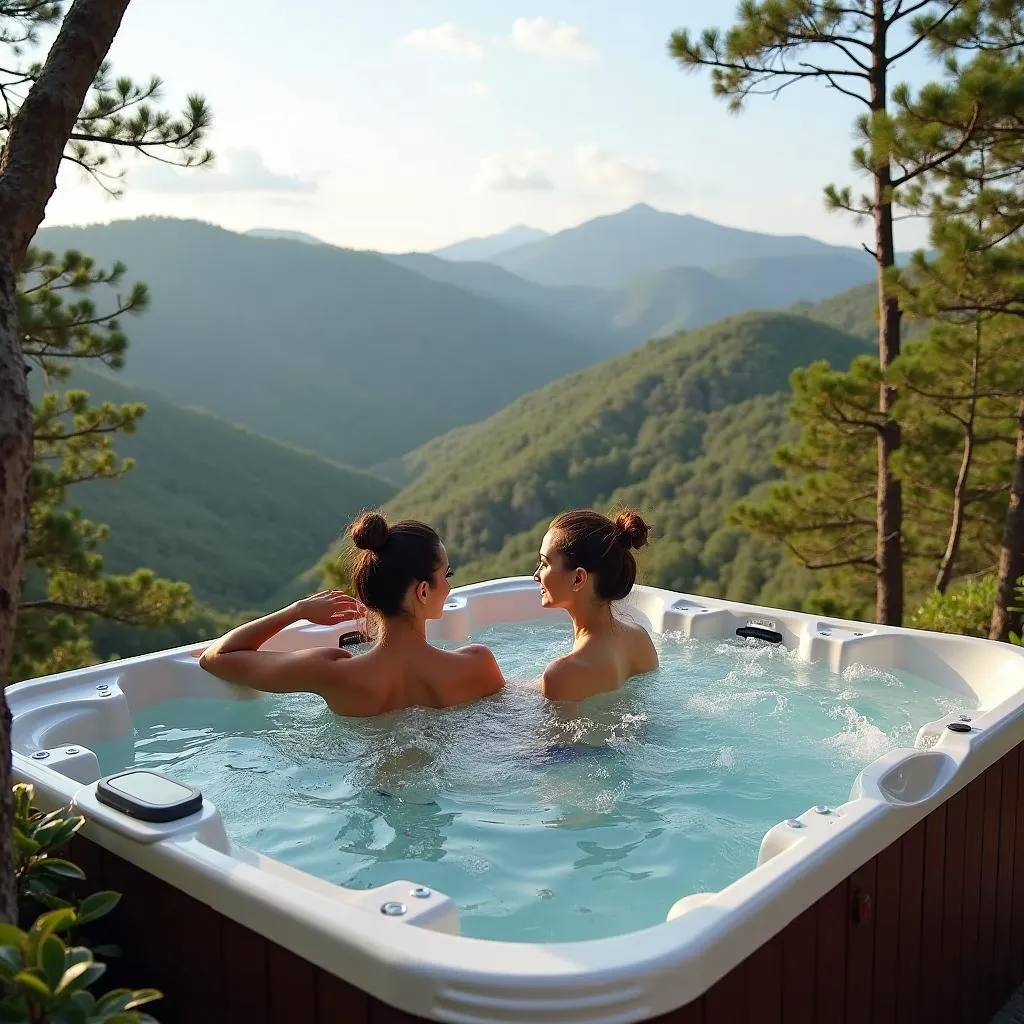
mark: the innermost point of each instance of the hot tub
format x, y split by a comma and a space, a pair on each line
905, 902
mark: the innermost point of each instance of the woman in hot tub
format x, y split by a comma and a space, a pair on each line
401, 574
586, 562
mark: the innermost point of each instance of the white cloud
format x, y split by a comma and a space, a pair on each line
601, 170
552, 39
523, 173
446, 38
472, 90
245, 172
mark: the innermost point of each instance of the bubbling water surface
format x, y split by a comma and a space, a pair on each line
545, 823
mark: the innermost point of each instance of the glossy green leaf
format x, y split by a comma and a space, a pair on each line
48, 835
26, 846
50, 959
62, 868
115, 1001
97, 905
52, 921
78, 954
79, 976
142, 996
33, 985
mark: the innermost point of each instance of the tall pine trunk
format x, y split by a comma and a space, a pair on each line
888, 489
29, 163
1011, 555
956, 526
15, 461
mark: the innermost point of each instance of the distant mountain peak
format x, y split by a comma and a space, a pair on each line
290, 236
487, 246
642, 208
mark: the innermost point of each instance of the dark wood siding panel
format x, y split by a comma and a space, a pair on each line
337, 1002
1004, 968
909, 955
1017, 924
885, 967
764, 984
799, 968
952, 906
932, 887
292, 984
989, 886
860, 946
969, 966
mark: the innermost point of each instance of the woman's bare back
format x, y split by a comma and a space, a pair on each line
385, 680
599, 664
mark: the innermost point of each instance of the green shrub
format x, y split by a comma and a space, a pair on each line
44, 974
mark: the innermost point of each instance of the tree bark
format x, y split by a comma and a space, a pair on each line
15, 460
1011, 555
956, 526
29, 163
889, 490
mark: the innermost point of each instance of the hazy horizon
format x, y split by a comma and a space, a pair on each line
390, 130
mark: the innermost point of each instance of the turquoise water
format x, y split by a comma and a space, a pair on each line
545, 825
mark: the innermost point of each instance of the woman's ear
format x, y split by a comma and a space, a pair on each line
579, 580
422, 590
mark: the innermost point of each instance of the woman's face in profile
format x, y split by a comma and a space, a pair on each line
555, 581
440, 587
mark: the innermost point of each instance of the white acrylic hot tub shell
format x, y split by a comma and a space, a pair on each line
418, 962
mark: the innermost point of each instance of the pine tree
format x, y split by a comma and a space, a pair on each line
73, 443
853, 49
958, 421
822, 512
976, 268
65, 107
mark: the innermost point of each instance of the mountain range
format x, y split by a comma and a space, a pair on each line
340, 352
231, 512
491, 245
608, 251
490, 399
681, 428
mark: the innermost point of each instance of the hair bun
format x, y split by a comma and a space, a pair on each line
630, 529
370, 532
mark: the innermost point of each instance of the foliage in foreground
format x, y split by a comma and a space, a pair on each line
45, 972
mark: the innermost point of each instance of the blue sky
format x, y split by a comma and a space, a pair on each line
407, 125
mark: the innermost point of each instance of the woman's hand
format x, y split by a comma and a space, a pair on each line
329, 607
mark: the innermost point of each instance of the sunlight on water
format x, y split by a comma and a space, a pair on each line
544, 826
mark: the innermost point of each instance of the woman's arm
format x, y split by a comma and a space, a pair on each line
236, 657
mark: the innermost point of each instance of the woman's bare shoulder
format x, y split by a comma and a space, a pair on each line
643, 652
578, 675
472, 669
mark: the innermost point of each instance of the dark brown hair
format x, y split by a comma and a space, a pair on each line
391, 558
602, 546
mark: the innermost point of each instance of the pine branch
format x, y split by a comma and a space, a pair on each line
899, 14
98, 176
72, 609
71, 435
936, 161
922, 36
838, 564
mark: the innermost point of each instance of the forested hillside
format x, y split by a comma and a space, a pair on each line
232, 513
682, 428
337, 351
